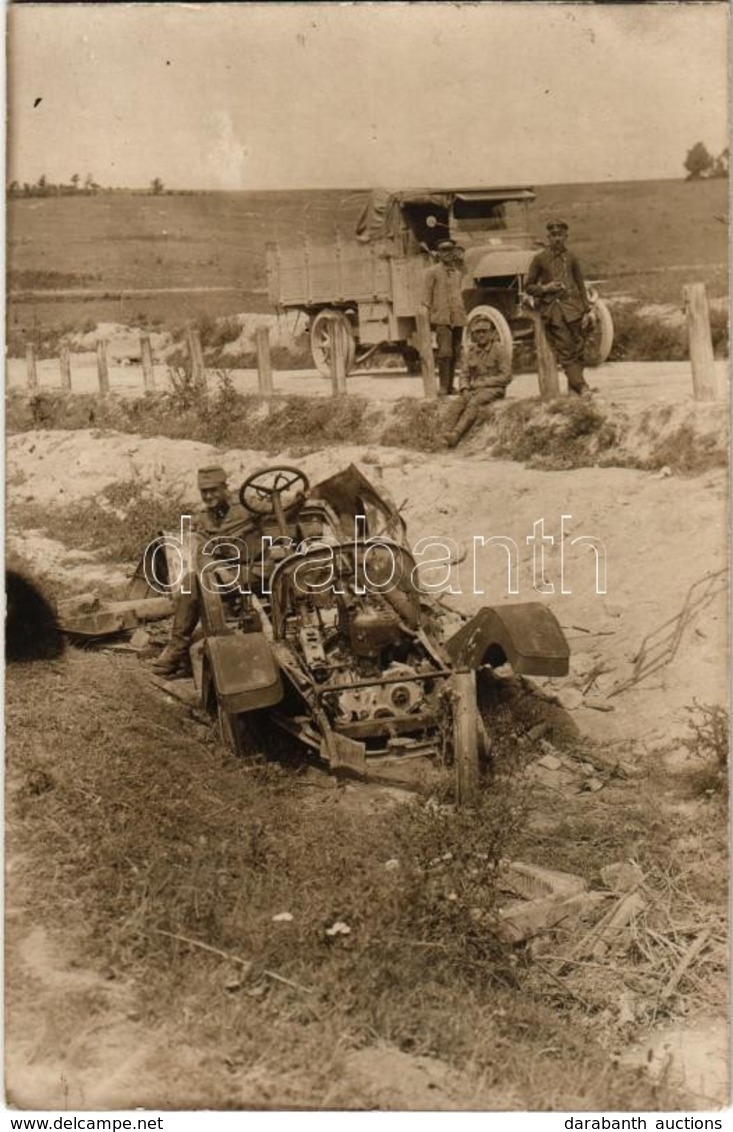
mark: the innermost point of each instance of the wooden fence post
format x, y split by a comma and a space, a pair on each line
65, 366
465, 737
264, 366
704, 385
30, 357
102, 367
427, 361
337, 349
196, 355
547, 376
146, 355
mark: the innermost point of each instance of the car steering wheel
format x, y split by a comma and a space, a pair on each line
273, 491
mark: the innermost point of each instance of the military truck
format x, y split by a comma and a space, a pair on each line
371, 284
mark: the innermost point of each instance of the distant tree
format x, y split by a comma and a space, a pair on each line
90, 185
157, 186
699, 162
75, 181
42, 184
27, 190
720, 166
13, 189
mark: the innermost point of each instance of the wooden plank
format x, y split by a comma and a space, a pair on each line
337, 349
196, 355
146, 355
704, 385
264, 366
65, 367
686, 961
427, 361
465, 737
546, 363
30, 357
102, 367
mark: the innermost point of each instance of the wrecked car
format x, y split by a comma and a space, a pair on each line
316, 623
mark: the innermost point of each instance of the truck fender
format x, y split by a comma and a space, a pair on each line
527, 636
244, 671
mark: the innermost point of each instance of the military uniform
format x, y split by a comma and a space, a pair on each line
443, 298
562, 312
223, 519
486, 373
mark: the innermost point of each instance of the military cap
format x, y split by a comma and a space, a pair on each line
556, 222
211, 477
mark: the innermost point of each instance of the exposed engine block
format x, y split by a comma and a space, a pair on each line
379, 701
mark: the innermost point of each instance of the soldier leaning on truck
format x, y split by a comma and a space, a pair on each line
443, 299
556, 281
487, 371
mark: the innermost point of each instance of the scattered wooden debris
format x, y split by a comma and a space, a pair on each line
622, 876
87, 616
532, 881
522, 919
687, 960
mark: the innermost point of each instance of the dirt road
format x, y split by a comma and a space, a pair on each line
631, 384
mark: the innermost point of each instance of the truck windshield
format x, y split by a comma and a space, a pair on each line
503, 219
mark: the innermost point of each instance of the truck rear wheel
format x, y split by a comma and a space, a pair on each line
320, 340
497, 320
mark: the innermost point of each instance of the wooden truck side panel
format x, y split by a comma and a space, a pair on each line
314, 275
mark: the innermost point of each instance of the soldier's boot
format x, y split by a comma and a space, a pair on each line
444, 380
576, 381
453, 362
173, 659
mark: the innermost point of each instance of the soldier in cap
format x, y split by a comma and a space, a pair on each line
443, 300
486, 373
218, 515
556, 281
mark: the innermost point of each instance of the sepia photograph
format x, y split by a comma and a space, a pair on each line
366, 540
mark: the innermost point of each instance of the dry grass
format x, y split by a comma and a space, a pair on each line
552, 435
117, 525
138, 826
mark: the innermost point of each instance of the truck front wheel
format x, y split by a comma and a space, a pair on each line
320, 339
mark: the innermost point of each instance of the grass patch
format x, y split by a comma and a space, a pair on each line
218, 415
554, 435
137, 824
117, 525
688, 452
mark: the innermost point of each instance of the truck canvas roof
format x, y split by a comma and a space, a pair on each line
380, 215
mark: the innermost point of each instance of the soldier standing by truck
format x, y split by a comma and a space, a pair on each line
443, 300
556, 281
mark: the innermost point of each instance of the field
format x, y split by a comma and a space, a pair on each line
171, 912
645, 239
146, 845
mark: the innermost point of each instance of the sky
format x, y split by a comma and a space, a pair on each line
306, 95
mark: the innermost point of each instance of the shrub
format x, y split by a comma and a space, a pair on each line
709, 738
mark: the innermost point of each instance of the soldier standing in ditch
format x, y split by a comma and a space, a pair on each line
556, 281
219, 516
443, 299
